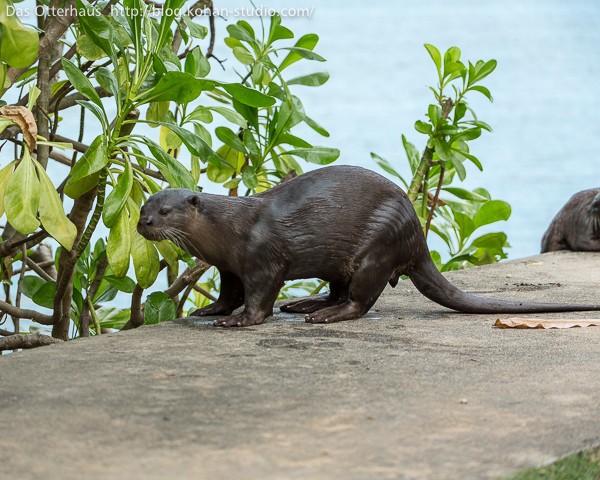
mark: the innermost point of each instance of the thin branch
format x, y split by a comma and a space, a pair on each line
10, 247
30, 340
37, 269
189, 276
137, 318
435, 199
25, 313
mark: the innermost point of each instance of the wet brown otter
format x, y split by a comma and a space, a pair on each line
577, 225
347, 225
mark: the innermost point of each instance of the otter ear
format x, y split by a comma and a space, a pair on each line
195, 201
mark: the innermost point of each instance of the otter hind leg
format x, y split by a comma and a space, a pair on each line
367, 283
231, 297
338, 293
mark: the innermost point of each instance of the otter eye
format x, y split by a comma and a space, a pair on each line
164, 211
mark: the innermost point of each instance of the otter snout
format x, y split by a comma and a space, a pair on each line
144, 225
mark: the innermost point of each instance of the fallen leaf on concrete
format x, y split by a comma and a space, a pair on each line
23, 117
516, 322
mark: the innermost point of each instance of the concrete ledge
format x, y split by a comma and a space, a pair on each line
411, 391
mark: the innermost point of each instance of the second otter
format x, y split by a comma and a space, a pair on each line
577, 225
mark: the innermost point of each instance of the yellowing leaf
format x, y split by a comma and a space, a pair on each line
5, 175
52, 215
118, 246
22, 196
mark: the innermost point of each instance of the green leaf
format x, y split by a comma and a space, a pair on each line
435, 115
412, 154
107, 80
193, 142
249, 177
179, 87
32, 284
483, 90
308, 41
482, 71
465, 194
97, 27
44, 296
492, 241
174, 172
88, 49
228, 137
465, 225
240, 33
467, 135
318, 155
315, 126
386, 166
423, 127
22, 196
312, 80
248, 112
442, 149
436, 56
159, 307
243, 55
196, 31
157, 112
305, 53
52, 214
116, 200
78, 188
80, 82
5, 175
20, 44
201, 114
94, 160
230, 116
492, 211
145, 259
118, 246
248, 96
123, 284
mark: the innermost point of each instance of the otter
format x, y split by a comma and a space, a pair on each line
346, 225
577, 225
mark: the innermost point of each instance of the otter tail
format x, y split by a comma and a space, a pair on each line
431, 283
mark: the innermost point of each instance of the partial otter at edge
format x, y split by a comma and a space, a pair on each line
346, 225
577, 225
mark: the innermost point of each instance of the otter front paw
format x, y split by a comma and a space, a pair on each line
238, 321
213, 309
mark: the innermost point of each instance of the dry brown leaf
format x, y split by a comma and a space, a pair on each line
23, 117
516, 322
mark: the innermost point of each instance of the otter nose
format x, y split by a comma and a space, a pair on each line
146, 221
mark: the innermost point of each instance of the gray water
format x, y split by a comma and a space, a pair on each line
545, 111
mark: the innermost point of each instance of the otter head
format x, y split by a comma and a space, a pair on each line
594, 208
165, 215
594, 212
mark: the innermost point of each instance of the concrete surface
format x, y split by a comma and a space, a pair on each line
411, 391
